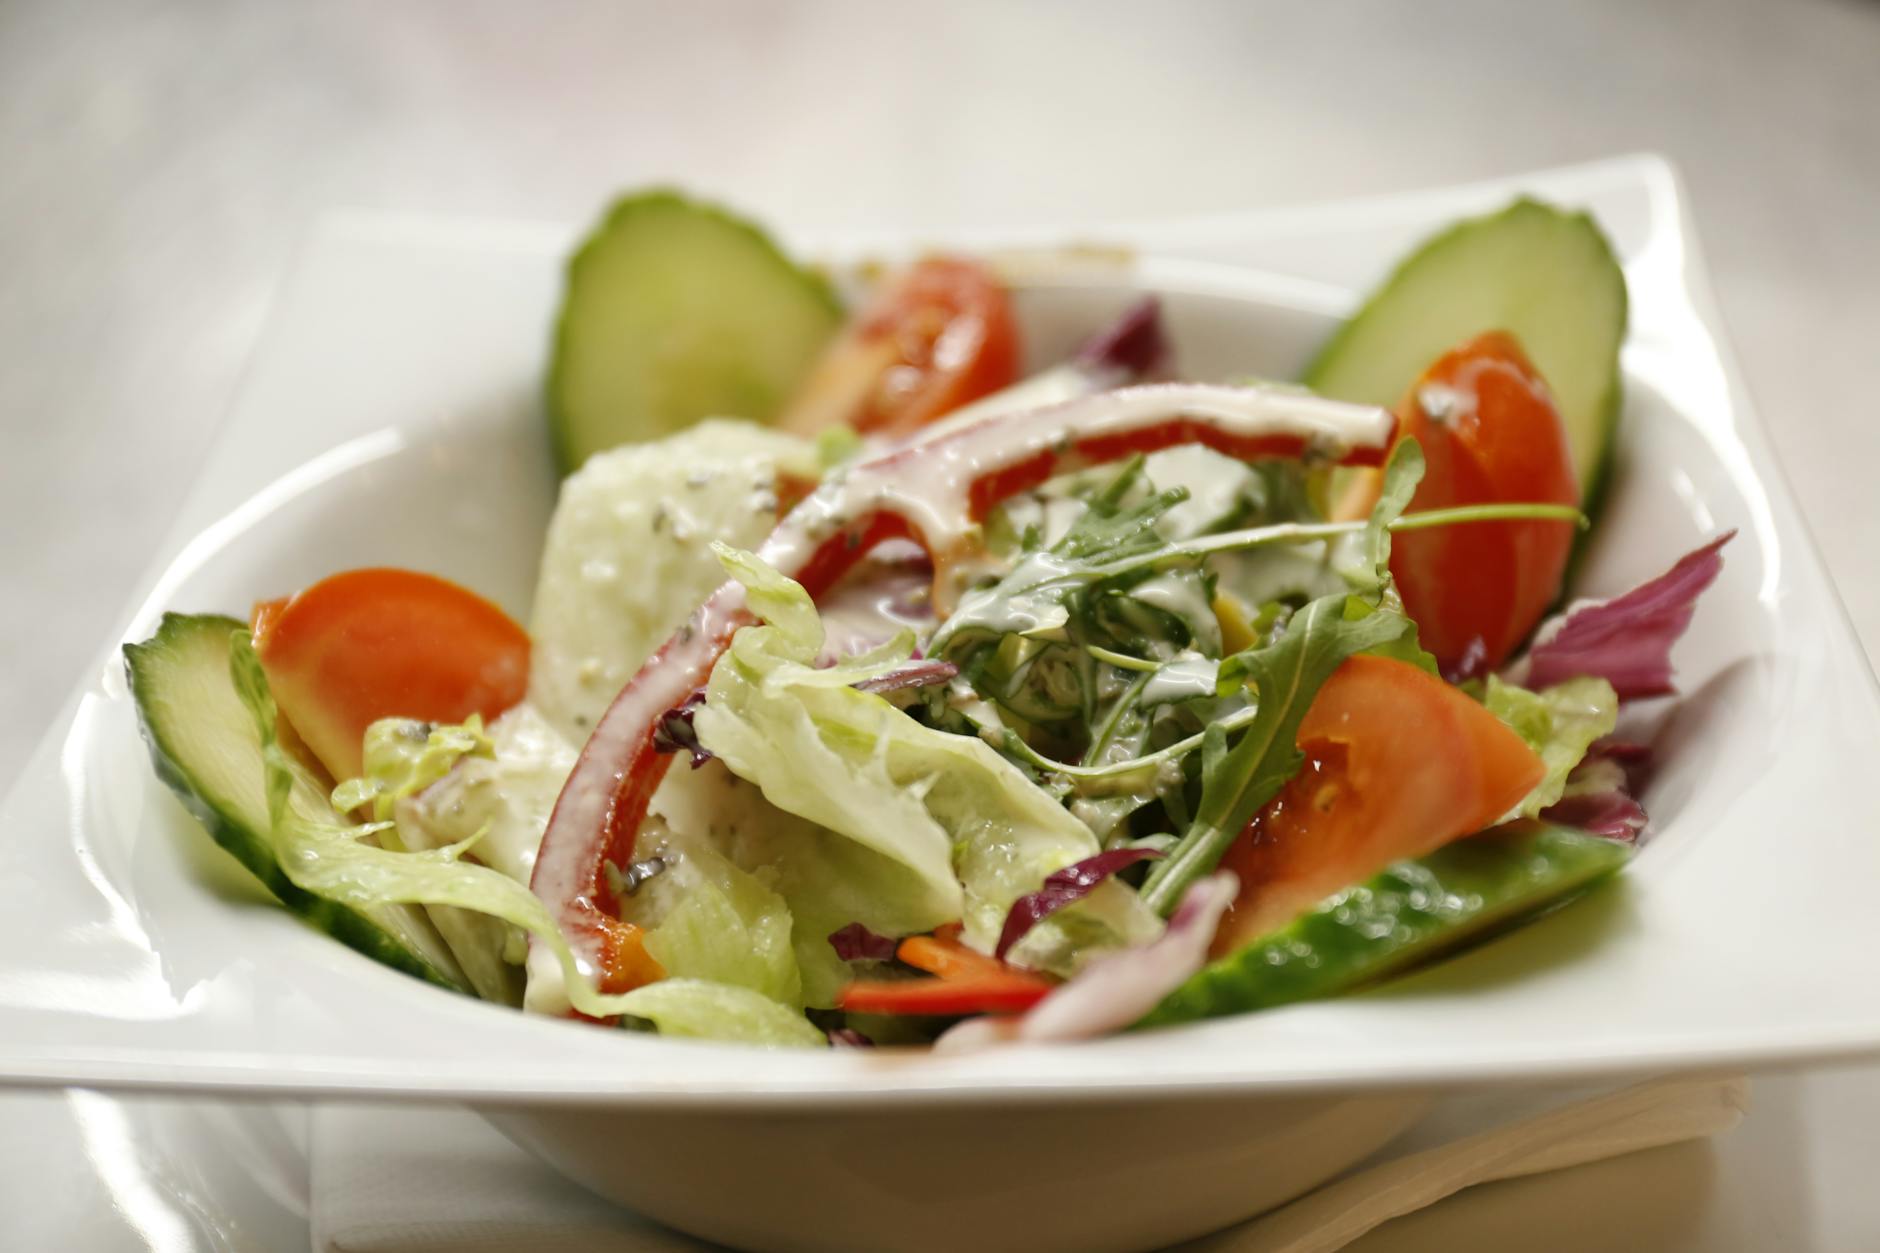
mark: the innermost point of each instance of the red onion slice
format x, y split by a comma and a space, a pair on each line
1115, 989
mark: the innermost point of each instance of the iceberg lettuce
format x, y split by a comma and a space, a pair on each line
700, 1009
965, 831
1559, 723
724, 926
403, 757
624, 562
338, 861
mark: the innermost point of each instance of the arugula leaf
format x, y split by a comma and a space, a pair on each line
1236, 781
1372, 585
1041, 594
1109, 529
1402, 476
1285, 675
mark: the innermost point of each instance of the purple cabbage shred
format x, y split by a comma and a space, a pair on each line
1064, 887
1626, 640
1615, 815
1602, 792
675, 732
856, 942
1135, 345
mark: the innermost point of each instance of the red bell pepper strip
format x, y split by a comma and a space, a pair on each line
969, 982
980, 994
934, 491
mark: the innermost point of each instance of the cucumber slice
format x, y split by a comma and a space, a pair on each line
1413, 911
1542, 273
203, 743
676, 311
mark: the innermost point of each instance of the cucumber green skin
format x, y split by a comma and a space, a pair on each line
799, 303
1472, 278
152, 666
1413, 911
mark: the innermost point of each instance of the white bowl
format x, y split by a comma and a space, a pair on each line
393, 408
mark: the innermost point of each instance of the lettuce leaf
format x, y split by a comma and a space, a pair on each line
508, 795
441, 784
825, 879
1559, 723
404, 756
624, 563
967, 831
335, 860
725, 927
702, 1010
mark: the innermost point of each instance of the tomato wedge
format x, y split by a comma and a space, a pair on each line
967, 982
384, 643
938, 336
1398, 764
1490, 434
933, 492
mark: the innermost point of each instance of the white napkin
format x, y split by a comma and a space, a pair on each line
406, 1180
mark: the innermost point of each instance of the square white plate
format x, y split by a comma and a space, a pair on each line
397, 387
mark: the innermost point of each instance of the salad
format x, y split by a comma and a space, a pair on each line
874, 693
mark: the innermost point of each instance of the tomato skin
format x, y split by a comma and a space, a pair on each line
1490, 434
382, 643
1398, 763
939, 336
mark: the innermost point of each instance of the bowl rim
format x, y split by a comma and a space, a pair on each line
1197, 256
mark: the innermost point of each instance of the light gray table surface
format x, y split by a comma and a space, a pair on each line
160, 162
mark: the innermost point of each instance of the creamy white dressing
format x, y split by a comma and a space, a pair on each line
1000, 611
507, 796
1052, 387
930, 488
627, 555
1051, 514
1181, 595
1215, 484
1187, 676
930, 484
888, 592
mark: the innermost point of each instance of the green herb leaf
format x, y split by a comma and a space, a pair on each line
1286, 674
1108, 529
1372, 585
1236, 781
1040, 595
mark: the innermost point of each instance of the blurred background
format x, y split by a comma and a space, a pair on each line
161, 161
